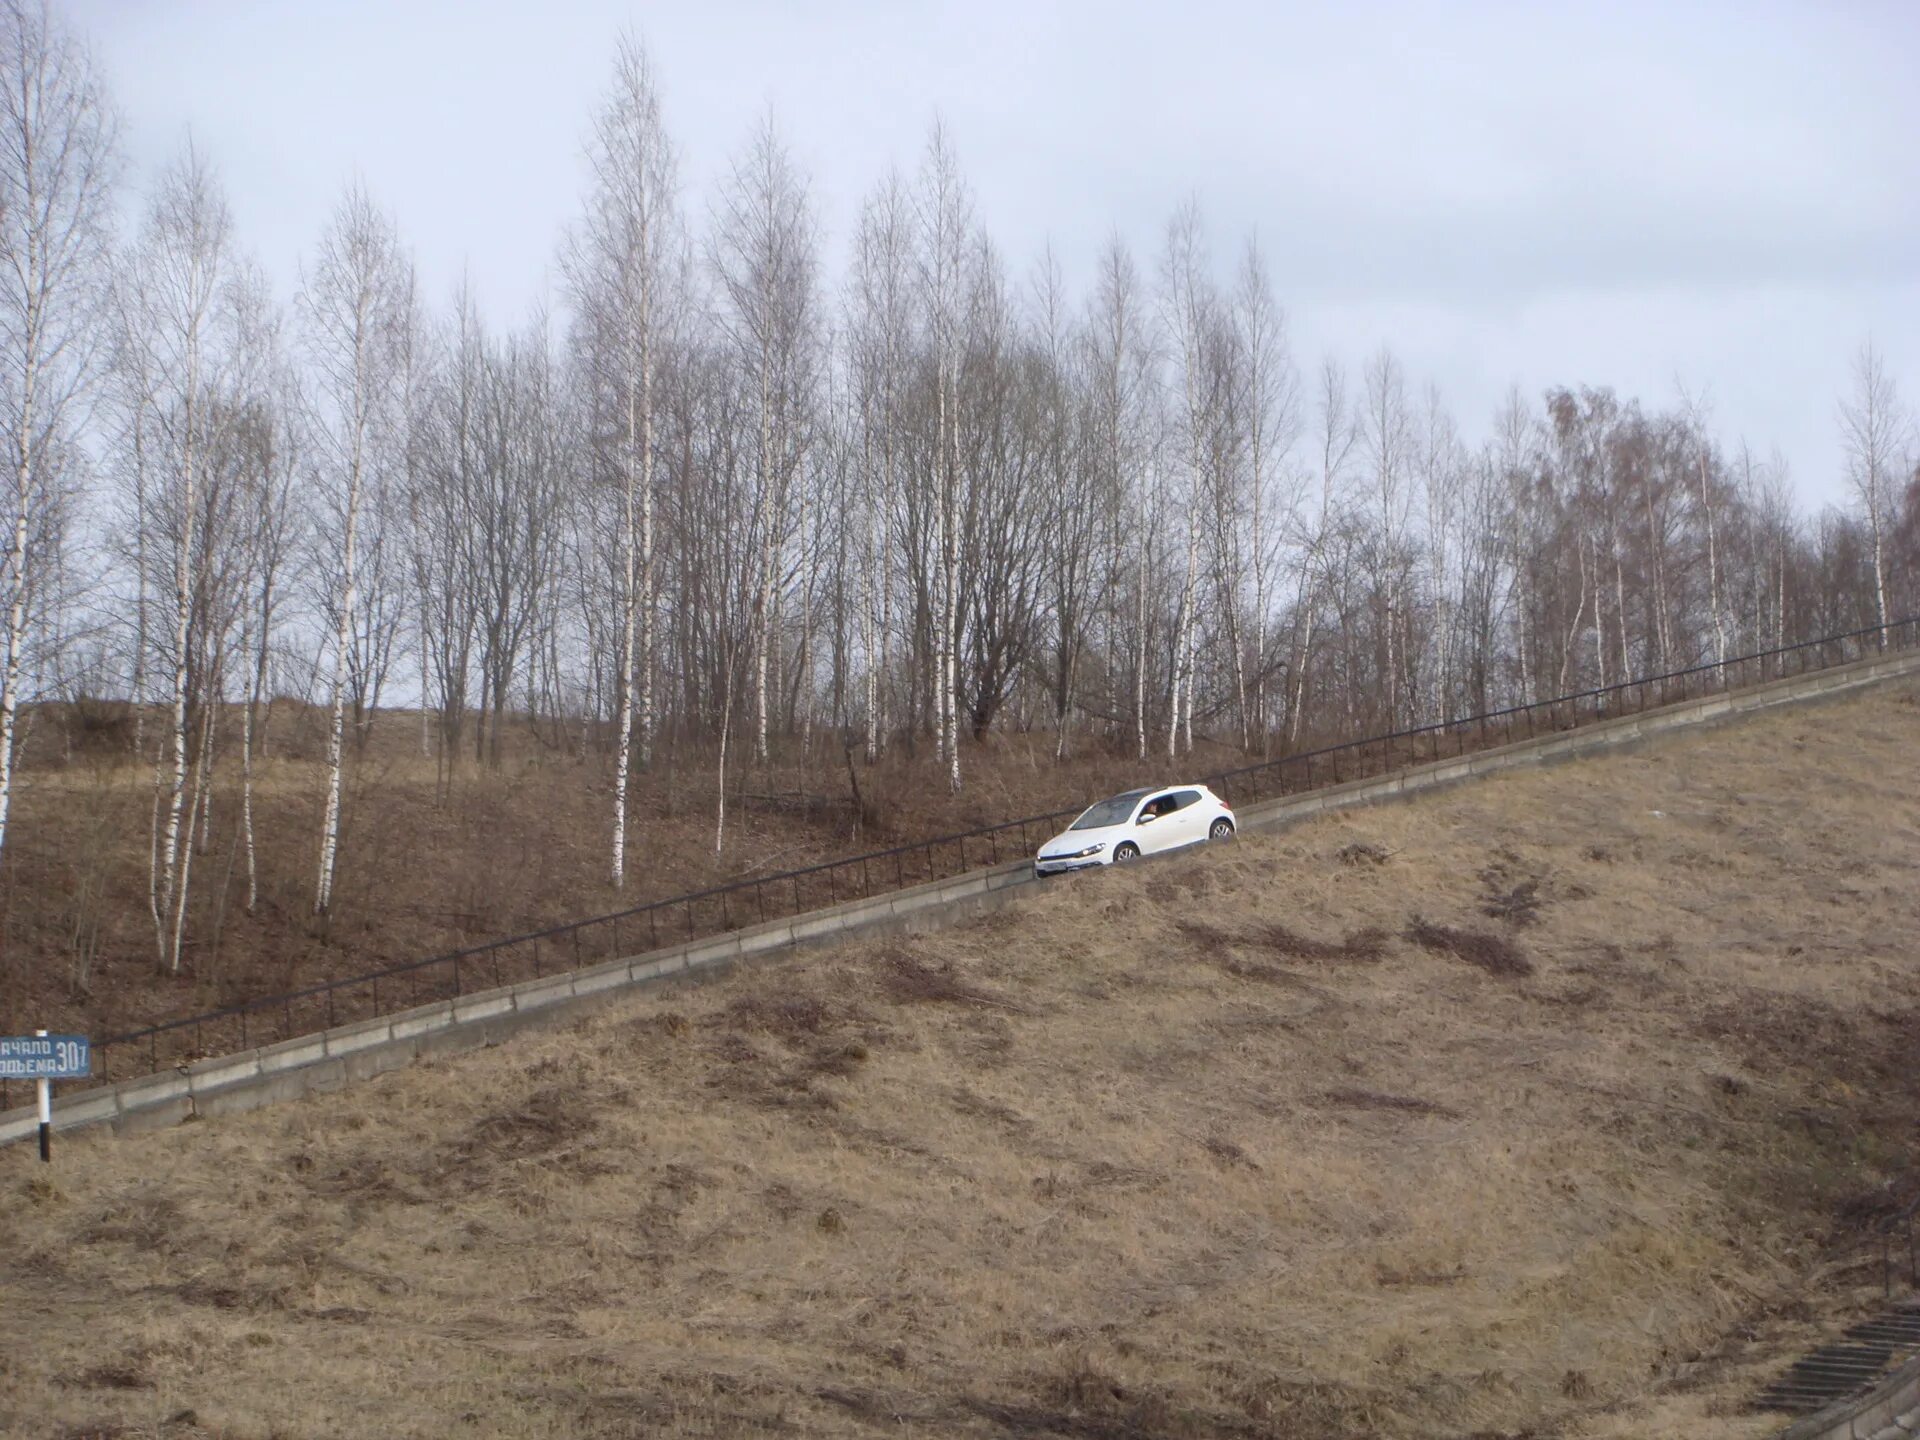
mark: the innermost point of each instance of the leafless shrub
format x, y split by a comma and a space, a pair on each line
1362, 852
107, 1377
1518, 905
772, 1013
1495, 954
1364, 945
839, 1061
1210, 937
910, 981
1228, 1152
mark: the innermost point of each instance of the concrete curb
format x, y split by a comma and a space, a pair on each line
330, 1059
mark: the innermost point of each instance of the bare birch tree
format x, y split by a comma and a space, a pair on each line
1873, 429
1120, 355
617, 267
881, 340
56, 173
175, 350
764, 257
1188, 315
353, 305
946, 224
1386, 433
1271, 404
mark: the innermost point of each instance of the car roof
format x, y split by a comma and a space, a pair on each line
1151, 790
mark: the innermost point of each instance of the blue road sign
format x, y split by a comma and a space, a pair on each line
45, 1057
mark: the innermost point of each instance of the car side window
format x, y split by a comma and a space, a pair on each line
1183, 798
1156, 807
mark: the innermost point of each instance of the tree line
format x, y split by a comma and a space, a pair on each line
725, 500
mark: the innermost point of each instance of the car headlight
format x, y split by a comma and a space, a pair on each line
1083, 854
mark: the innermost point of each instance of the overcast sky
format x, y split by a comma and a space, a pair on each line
1606, 194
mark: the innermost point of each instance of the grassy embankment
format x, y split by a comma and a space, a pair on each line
1551, 1106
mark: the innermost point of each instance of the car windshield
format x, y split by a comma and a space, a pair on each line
1109, 812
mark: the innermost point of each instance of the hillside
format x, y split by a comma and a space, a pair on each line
1552, 1106
429, 864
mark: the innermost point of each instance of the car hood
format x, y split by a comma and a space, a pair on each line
1071, 842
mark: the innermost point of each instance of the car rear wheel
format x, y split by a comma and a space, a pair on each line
1222, 829
1126, 850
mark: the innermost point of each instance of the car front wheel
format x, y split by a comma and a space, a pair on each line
1126, 850
1222, 829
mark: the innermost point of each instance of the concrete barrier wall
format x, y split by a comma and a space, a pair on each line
334, 1058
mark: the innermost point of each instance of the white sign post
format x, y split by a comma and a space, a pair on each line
46, 1112
43, 1059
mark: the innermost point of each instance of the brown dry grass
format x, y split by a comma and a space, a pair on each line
1205, 1148
426, 869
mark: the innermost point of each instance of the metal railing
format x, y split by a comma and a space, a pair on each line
741, 903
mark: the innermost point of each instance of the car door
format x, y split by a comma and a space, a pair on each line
1189, 822
1157, 834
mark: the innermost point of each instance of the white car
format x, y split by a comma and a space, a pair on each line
1140, 822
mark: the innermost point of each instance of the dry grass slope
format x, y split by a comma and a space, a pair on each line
424, 870
1542, 1108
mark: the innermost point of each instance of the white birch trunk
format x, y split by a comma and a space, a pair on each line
246, 760
764, 628
720, 786
1299, 705
17, 606
1140, 652
1713, 568
870, 585
171, 870
336, 727
950, 539
624, 744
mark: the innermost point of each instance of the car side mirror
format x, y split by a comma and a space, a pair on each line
1150, 815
